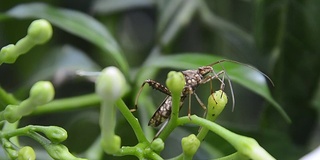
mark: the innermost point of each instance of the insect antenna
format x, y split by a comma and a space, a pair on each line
244, 64
231, 90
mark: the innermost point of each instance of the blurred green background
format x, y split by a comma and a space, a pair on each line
279, 37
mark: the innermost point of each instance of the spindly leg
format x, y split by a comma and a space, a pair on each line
190, 92
200, 102
155, 85
209, 78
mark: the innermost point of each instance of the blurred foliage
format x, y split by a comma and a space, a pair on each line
279, 37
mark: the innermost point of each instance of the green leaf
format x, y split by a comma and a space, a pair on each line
62, 60
248, 77
236, 37
174, 18
167, 11
104, 7
75, 23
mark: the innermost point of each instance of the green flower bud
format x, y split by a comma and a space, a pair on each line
7, 54
59, 151
111, 84
54, 133
10, 114
42, 92
40, 31
26, 153
111, 145
190, 145
157, 145
216, 103
175, 81
220, 99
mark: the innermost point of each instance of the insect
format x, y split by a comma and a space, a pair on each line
193, 78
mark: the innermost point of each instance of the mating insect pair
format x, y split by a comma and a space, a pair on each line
193, 78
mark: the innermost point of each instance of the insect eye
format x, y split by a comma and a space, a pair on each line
202, 71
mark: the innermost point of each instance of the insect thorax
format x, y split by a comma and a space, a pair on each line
192, 78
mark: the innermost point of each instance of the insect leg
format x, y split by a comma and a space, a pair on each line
200, 102
155, 85
211, 77
189, 109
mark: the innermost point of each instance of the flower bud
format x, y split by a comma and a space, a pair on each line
59, 151
220, 99
54, 133
7, 54
175, 82
10, 114
190, 145
26, 153
42, 92
40, 31
111, 84
111, 146
157, 145
216, 103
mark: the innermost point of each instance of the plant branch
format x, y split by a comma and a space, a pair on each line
132, 121
66, 104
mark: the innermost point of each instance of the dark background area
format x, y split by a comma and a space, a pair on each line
279, 37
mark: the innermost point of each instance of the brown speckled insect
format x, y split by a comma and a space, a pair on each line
193, 78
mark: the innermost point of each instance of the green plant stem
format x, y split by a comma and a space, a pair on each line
56, 151
18, 132
132, 121
175, 110
95, 151
125, 150
233, 156
136, 150
8, 147
247, 146
216, 104
6, 99
139, 151
65, 104
172, 124
10, 127
154, 156
202, 133
221, 131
